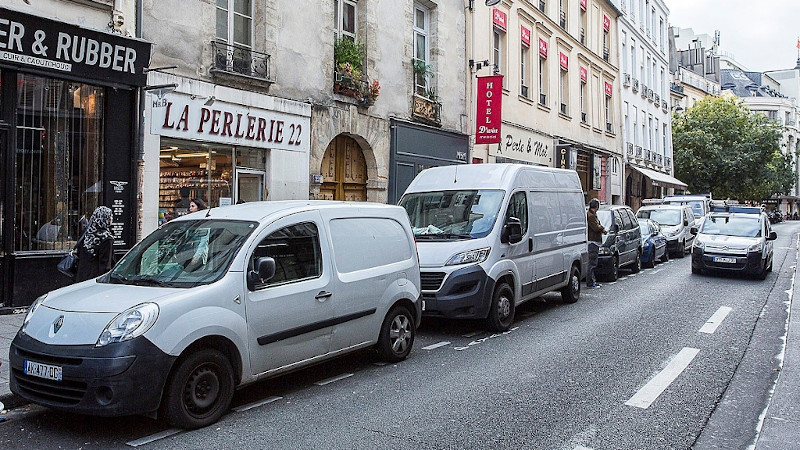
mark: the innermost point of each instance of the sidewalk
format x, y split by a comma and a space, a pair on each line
9, 324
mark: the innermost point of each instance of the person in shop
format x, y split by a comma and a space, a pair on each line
197, 204
96, 247
183, 203
199, 239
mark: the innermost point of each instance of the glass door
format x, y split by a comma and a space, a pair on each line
249, 186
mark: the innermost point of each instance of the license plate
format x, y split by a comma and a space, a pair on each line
45, 371
721, 259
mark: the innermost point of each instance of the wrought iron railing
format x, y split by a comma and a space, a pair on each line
630, 148
357, 88
240, 60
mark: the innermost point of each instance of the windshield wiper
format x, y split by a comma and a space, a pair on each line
148, 281
120, 278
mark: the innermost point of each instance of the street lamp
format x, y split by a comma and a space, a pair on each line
488, 3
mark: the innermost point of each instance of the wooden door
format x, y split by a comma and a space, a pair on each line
344, 171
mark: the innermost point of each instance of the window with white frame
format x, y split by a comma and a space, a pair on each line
525, 63
582, 99
543, 79
499, 52
563, 90
235, 22
624, 53
608, 107
421, 49
344, 14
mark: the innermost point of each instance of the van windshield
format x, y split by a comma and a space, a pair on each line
467, 214
183, 253
669, 217
698, 206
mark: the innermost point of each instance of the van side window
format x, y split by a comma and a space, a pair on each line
518, 207
296, 252
633, 219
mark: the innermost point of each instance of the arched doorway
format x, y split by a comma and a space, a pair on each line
344, 171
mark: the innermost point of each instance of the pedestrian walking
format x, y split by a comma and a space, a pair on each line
96, 247
596, 232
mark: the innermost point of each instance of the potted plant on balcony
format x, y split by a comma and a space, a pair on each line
422, 73
349, 62
371, 94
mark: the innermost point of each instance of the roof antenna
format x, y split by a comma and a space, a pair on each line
455, 176
208, 213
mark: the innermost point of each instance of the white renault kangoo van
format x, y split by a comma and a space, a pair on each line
491, 236
218, 299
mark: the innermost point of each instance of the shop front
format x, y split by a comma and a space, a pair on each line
598, 170
521, 145
68, 109
416, 147
220, 146
642, 183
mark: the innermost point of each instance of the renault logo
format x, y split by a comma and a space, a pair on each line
57, 324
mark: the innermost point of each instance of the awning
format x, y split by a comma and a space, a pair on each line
660, 178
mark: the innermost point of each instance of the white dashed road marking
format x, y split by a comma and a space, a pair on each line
715, 320
437, 345
333, 379
154, 437
257, 404
650, 392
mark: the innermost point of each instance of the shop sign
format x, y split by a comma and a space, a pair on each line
524, 145
31, 41
606, 23
499, 19
180, 116
566, 157
525, 35
597, 166
563, 61
583, 5
584, 74
609, 88
543, 48
488, 117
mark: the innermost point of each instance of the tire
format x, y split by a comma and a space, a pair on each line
697, 271
762, 274
501, 313
637, 263
613, 272
572, 291
651, 262
682, 249
199, 390
771, 260
665, 256
397, 335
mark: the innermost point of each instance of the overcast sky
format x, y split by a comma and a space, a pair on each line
761, 35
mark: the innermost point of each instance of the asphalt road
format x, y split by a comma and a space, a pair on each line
647, 362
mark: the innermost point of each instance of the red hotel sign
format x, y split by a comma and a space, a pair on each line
526, 36
609, 89
543, 48
584, 74
583, 5
563, 61
499, 19
606, 23
488, 117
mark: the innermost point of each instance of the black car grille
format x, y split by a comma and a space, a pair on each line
431, 281
65, 392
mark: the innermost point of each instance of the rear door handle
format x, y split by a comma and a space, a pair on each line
323, 295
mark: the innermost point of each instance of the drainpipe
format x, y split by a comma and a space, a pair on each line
139, 136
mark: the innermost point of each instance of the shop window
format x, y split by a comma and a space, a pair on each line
58, 161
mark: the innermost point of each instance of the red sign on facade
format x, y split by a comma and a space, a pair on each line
583, 5
499, 19
606, 23
525, 34
488, 117
563, 61
543, 48
584, 74
609, 89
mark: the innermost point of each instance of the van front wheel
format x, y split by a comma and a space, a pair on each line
572, 291
397, 335
501, 313
199, 390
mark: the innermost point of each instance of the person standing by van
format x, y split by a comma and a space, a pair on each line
596, 232
96, 246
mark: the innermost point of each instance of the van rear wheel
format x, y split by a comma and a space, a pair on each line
501, 313
199, 390
397, 335
572, 291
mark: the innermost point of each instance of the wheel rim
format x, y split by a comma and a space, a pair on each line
400, 334
614, 268
201, 391
503, 307
576, 284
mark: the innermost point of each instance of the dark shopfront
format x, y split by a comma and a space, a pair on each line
415, 148
68, 115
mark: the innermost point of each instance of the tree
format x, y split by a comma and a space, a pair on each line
721, 147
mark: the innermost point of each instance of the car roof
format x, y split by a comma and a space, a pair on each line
612, 207
663, 207
736, 214
258, 211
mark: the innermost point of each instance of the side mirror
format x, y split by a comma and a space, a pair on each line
614, 228
263, 270
693, 230
772, 236
512, 231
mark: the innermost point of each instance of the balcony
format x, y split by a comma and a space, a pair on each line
583, 36
543, 99
647, 155
426, 110
659, 159
626, 79
357, 88
563, 109
635, 85
629, 149
657, 100
664, 105
644, 90
584, 118
562, 19
605, 53
608, 127
638, 152
675, 88
541, 5
242, 61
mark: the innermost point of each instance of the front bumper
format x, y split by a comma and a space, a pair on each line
464, 294
116, 380
753, 263
673, 244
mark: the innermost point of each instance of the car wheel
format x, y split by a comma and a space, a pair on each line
572, 291
762, 274
501, 313
199, 390
771, 260
665, 256
397, 335
697, 270
613, 272
637, 263
651, 261
681, 249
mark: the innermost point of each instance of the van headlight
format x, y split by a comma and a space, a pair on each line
31, 310
129, 324
755, 248
470, 257
698, 244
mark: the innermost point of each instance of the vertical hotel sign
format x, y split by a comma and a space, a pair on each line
488, 117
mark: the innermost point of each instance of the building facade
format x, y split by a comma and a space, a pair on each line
560, 87
68, 116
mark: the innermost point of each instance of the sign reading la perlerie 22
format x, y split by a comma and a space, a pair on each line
60, 48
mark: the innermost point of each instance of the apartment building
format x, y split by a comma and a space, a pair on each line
560, 86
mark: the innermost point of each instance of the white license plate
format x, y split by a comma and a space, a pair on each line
721, 259
43, 370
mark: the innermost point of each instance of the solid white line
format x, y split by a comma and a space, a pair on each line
650, 392
580, 447
437, 345
257, 404
716, 320
333, 379
154, 437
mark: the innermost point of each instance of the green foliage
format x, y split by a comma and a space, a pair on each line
422, 69
720, 146
348, 51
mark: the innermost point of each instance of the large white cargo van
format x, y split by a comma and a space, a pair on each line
491, 236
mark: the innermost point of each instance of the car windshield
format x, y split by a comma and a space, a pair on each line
732, 226
465, 214
645, 229
669, 217
696, 205
605, 218
183, 253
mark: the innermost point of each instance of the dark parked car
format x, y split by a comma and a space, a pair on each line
654, 244
623, 243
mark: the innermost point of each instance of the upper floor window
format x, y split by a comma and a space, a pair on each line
344, 12
421, 48
235, 22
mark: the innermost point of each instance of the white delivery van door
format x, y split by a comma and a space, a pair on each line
521, 252
548, 235
290, 316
